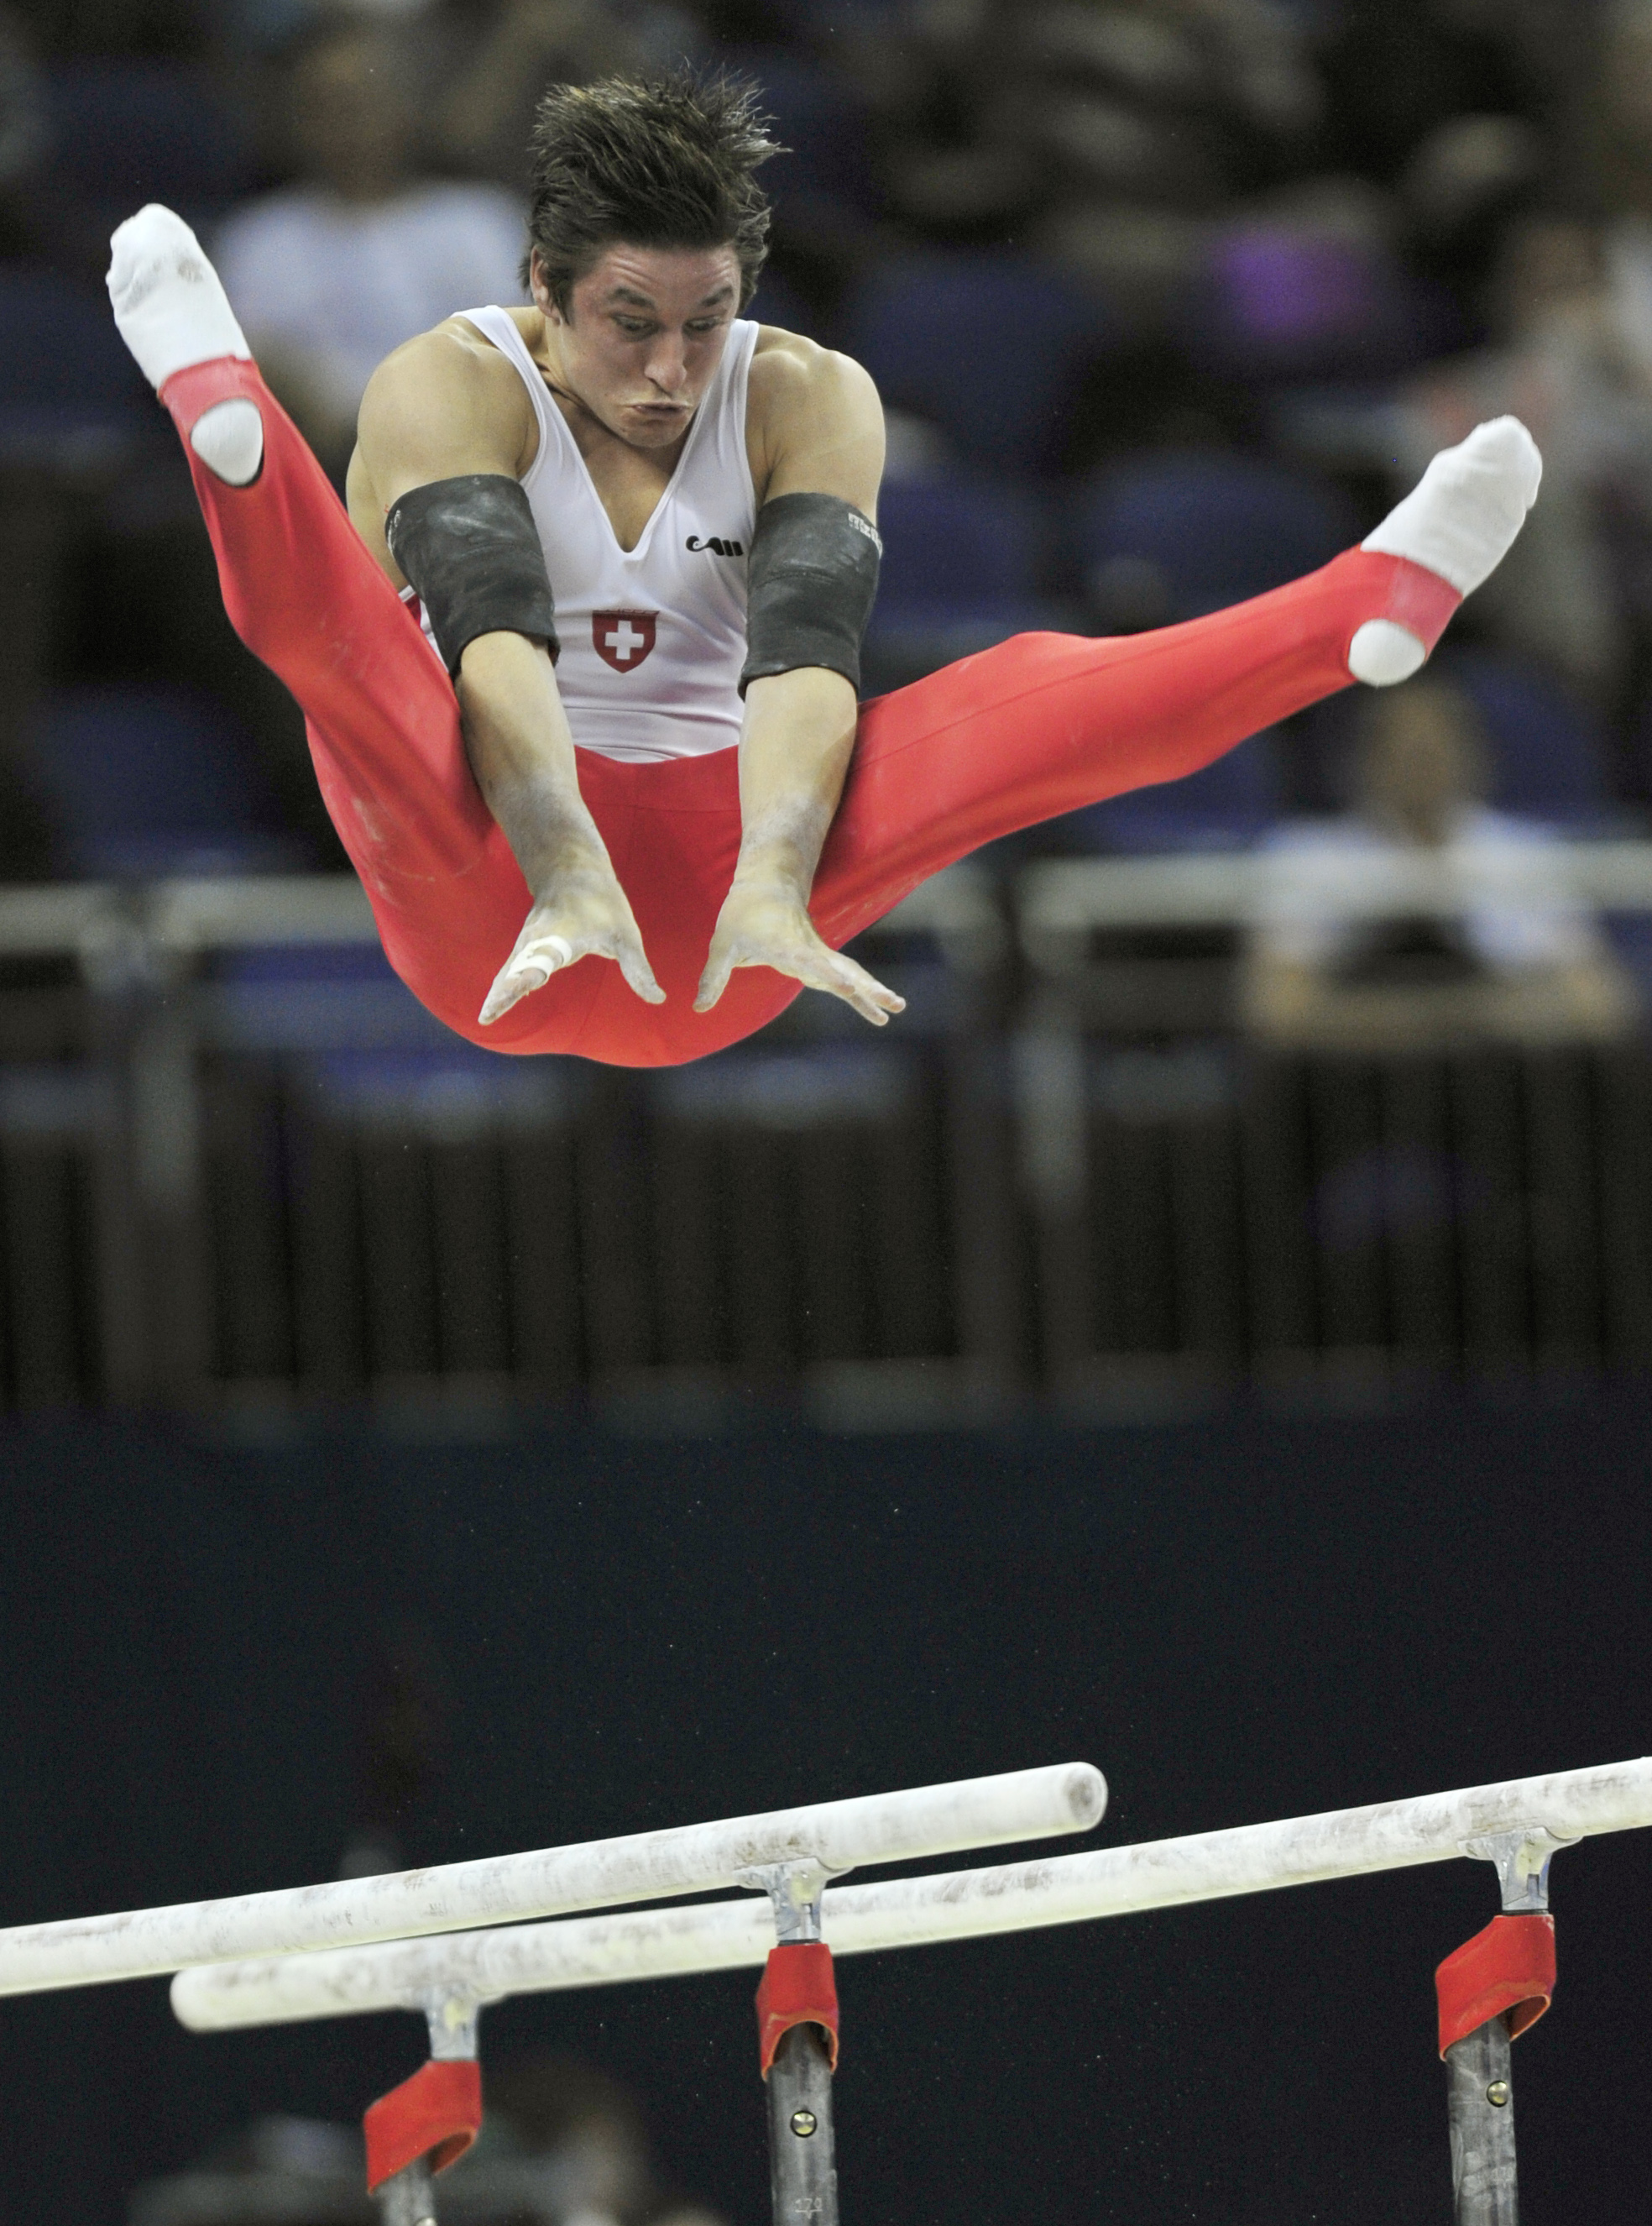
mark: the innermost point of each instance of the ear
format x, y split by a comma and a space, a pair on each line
540, 291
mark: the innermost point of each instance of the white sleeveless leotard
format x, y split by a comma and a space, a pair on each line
652, 640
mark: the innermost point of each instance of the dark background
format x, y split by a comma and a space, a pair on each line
1260, 1616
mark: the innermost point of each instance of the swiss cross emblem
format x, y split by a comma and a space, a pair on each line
623, 639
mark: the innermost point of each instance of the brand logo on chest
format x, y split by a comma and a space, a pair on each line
718, 543
623, 639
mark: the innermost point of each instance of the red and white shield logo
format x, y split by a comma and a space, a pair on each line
623, 639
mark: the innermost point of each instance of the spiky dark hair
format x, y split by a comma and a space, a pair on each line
667, 162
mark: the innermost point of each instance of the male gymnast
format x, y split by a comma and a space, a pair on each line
580, 666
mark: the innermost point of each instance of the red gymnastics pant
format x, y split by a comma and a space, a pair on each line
1040, 726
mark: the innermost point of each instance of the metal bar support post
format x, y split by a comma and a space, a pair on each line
803, 2157
797, 2022
1495, 1986
428, 2122
1481, 2100
408, 2198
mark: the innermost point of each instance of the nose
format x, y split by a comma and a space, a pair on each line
667, 367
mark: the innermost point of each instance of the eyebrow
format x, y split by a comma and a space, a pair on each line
630, 296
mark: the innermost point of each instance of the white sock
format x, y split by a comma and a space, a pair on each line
1462, 516
172, 311
1458, 522
169, 304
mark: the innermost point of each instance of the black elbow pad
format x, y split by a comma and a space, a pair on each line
812, 580
470, 550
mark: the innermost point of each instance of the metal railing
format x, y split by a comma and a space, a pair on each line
248, 1146
1070, 897
218, 1179
1208, 1207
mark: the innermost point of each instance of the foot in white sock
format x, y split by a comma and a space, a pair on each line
172, 312
1458, 522
170, 307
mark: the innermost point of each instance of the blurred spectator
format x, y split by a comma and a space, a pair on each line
1560, 359
497, 56
1443, 118
1309, 283
330, 274
1406, 78
1621, 111
482, 65
25, 132
283, 2172
1625, 126
1522, 961
579, 2135
1115, 129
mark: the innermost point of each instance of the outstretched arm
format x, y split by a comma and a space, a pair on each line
437, 410
820, 431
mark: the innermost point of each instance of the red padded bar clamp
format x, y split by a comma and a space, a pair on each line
1508, 1967
798, 1987
437, 2112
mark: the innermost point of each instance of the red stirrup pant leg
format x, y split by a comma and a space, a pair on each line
1046, 723
307, 598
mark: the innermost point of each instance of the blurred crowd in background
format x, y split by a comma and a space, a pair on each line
1166, 297
1167, 300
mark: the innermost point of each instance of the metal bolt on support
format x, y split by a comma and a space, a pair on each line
803, 2123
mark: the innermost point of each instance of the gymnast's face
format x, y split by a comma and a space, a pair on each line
646, 333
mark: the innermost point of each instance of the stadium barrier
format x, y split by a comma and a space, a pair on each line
223, 1180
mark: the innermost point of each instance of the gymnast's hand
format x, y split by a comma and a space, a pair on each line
768, 925
522, 753
583, 914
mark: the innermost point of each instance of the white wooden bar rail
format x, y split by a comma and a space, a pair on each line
912, 1912
879, 1828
